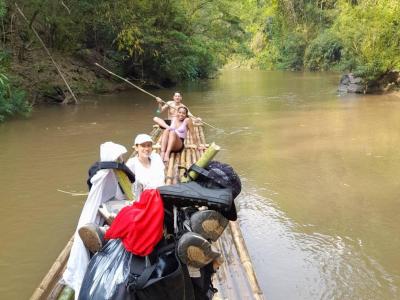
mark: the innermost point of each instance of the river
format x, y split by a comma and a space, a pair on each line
320, 203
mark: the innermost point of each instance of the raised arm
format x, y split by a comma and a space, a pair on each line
162, 107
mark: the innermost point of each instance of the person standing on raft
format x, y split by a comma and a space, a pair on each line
172, 107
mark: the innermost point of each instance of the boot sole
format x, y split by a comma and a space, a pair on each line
210, 224
195, 251
90, 239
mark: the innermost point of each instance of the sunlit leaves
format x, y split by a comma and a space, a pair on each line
361, 36
370, 32
130, 40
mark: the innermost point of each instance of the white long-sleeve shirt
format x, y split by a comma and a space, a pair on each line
147, 177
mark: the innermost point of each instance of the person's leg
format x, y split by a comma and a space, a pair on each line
164, 143
161, 122
174, 144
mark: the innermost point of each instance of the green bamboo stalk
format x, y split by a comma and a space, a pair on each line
66, 294
203, 161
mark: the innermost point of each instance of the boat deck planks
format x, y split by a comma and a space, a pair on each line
235, 279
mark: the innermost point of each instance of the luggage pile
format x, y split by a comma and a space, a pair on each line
182, 262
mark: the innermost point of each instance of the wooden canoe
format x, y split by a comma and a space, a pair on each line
235, 278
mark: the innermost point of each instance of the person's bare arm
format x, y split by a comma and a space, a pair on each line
161, 107
161, 122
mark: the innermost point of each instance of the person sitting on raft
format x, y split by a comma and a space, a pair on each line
174, 135
147, 165
104, 187
148, 169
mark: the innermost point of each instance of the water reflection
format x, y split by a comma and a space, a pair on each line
297, 262
320, 205
323, 177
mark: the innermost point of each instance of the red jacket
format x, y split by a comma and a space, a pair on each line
140, 225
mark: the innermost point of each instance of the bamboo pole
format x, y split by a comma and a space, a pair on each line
245, 259
66, 294
182, 164
52, 276
176, 170
193, 146
48, 53
202, 137
188, 159
147, 93
196, 130
59, 288
192, 155
170, 169
207, 156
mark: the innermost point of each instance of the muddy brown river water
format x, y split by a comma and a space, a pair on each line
320, 206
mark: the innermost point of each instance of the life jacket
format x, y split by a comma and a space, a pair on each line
101, 165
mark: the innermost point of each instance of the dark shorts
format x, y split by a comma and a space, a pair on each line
181, 148
168, 123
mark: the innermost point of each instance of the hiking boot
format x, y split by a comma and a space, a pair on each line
209, 223
92, 237
195, 251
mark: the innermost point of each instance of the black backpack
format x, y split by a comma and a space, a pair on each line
220, 175
100, 165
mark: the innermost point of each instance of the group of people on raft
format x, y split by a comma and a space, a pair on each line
148, 168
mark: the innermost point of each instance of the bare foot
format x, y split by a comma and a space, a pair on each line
166, 157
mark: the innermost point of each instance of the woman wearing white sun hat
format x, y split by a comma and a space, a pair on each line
147, 165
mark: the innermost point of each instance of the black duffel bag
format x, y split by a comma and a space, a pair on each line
216, 187
116, 274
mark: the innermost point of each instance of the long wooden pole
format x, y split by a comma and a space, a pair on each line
146, 92
48, 53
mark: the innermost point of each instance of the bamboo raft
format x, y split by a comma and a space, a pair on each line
235, 278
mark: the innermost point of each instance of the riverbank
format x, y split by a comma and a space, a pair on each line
349, 83
36, 74
396, 93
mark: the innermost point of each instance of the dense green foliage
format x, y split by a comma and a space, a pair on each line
159, 40
12, 99
370, 33
362, 36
